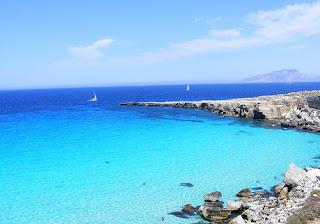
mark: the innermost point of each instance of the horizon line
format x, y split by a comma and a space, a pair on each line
147, 84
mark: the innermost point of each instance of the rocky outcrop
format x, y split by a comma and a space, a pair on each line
298, 109
296, 198
294, 176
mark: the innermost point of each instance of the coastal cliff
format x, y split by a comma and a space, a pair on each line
298, 109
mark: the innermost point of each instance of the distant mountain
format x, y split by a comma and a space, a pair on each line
285, 75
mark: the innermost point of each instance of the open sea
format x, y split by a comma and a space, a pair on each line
64, 160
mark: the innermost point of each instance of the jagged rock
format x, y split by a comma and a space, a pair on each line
214, 196
188, 209
294, 176
283, 195
234, 205
298, 109
271, 203
260, 207
279, 187
244, 193
213, 204
216, 215
237, 220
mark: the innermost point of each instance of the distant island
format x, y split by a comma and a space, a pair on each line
285, 75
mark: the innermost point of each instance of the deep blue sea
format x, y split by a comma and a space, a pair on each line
64, 160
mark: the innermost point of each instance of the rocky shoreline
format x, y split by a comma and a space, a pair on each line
298, 109
296, 200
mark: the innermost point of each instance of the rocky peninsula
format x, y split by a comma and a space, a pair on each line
298, 109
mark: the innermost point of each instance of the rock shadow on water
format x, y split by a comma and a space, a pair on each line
242, 132
179, 214
186, 185
186, 212
215, 124
316, 158
180, 119
257, 189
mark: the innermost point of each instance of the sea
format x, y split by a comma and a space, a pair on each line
64, 160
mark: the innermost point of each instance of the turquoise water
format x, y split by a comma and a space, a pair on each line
92, 164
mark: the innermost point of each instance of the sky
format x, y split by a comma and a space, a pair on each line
76, 43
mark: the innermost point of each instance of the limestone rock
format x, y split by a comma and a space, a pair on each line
244, 193
237, 220
214, 196
279, 187
298, 109
295, 176
234, 205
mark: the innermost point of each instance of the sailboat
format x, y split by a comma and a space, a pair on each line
188, 88
94, 98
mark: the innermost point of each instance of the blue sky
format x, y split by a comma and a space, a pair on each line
100, 43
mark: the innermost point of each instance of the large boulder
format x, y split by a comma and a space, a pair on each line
294, 176
244, 193
237, 220
217, 215
314, 102
214, 196
188, 209
234, 205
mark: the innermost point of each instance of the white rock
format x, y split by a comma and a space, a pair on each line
237, 220
313, 173
234, 205
295, 176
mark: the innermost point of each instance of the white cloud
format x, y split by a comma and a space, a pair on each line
287, 22
233, 33
264, 28
91, 52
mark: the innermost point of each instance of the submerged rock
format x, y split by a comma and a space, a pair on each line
189, 209
186, 184
179, 214
257, 188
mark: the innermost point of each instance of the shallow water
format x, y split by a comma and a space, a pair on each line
63, 160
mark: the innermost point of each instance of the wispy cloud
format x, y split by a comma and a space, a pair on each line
233, 33
301, 46
288, 22
267, 27
263, 28
90, 52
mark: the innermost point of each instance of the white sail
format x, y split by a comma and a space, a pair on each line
94, 98
188, 88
